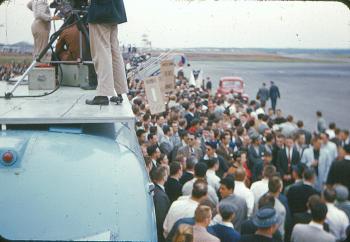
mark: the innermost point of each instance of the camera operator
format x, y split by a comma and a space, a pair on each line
41, 25
104, 17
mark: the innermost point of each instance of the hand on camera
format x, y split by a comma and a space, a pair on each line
55, 18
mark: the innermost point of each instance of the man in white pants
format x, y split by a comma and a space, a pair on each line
104, 17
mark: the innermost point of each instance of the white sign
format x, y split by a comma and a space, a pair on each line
167, 77
154, 95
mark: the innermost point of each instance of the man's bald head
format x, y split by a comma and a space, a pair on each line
240, 174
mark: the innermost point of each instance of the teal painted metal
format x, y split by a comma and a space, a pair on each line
74, 186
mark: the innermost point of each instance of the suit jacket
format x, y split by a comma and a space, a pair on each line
339, 173
282, 161
298, 195
274, 92
161, 205
226, 154
186, 176
324, 164
185, 151
173, 189
255, 162
307, 233
224, 233
107, 11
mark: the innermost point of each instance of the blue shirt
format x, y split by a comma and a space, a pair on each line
224, 233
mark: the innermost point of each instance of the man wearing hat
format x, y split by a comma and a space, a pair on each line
340, 170
266, 220
224, 230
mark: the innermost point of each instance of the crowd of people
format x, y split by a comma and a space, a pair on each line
7, 71
226, 169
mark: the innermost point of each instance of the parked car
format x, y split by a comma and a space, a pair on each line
233, 85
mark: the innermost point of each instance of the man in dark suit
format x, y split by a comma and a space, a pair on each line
224, 150
340, 170
286, 158
160, 199
173, 187
188, 174
255, 154
104, 18
274, 94
224, 230
299, 194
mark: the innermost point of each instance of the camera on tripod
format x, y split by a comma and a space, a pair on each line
65, 7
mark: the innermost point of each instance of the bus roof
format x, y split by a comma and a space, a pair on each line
66, 105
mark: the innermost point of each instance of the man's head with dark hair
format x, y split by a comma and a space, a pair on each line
159, 175
153, 130
212, 162
300, 124
266, 201
240, 131
269, 171
175, 167
319, 212
200, 170
275, 185
309, 175
227, 186
200, 189
167, 130
227, 211
151, 150
329, 195
319, 114
332, 125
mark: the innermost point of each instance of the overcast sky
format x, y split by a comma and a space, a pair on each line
224, 23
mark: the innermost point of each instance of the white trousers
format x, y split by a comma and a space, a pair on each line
107, 58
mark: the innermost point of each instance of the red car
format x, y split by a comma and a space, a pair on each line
232, 84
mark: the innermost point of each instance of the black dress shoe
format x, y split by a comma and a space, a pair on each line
98, 100
117, 99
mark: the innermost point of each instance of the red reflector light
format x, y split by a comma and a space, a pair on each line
7, 157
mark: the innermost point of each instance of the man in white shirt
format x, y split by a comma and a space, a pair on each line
337, 220
242, 191
275, 188
329, 146
261, 187
200, 170
212, 179
185, 206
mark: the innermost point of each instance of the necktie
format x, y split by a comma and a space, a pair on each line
289, 161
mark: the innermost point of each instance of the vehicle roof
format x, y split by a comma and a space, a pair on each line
231, 78
66, 105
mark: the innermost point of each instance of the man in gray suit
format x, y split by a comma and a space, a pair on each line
314, 230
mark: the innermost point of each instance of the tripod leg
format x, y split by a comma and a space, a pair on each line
9, 94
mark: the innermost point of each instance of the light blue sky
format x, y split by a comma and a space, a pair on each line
224, 23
